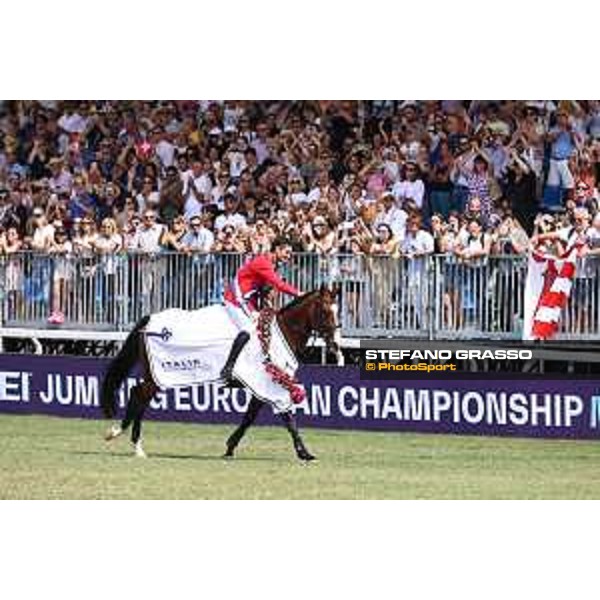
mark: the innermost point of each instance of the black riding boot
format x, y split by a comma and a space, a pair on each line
238, 345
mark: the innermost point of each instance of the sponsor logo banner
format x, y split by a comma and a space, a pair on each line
337, 398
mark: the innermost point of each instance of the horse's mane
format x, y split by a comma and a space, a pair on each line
298, 300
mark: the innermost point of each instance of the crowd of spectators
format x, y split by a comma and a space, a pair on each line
393, 178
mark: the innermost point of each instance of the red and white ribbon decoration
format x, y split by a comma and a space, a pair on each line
278, 375
558, 281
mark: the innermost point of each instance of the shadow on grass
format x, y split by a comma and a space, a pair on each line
213, 458
219, 458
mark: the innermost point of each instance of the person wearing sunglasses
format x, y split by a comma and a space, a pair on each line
148, 235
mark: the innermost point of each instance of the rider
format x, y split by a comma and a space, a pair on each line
241, 297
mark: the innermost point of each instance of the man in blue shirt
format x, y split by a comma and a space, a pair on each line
81, 202
564, 142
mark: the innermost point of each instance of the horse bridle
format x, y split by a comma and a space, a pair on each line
332, 338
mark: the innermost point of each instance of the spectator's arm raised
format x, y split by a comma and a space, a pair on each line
122, 158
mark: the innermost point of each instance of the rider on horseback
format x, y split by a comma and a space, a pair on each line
241, 297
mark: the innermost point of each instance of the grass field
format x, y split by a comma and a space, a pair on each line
44, 457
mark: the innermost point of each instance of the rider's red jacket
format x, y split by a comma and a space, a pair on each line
254, 275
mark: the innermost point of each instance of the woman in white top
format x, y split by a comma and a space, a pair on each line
472, 250
319, 237
385, 251
83, 248
108, 243
261, 237
11, 244
83, 241
61, 250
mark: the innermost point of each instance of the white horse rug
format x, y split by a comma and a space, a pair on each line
190, 347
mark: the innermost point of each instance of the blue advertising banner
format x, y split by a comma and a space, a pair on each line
337, 398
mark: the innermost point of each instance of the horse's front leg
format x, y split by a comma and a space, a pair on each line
289, 420
249, 418
130, 413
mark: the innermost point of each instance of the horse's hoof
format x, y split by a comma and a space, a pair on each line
229, 453
113, 433
139, 451
307, 457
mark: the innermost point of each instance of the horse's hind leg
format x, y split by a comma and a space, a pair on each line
249, 418
291, 425
144, 393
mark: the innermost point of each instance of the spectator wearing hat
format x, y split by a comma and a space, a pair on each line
389, 212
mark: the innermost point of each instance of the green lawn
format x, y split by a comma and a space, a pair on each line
44, 457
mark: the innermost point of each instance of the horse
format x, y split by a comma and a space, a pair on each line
313, 313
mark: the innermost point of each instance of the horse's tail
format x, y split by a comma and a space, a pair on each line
119, 367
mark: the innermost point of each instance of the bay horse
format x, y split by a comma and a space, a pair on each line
312, 313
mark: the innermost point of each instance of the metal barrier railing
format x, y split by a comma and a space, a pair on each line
437, 297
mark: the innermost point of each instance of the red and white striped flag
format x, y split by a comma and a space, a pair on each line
547, 291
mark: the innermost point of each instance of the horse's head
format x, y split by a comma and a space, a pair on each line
327, 320
317, 312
